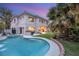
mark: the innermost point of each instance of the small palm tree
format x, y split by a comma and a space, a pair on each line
2, 26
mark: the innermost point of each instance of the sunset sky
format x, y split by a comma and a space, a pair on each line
40, 9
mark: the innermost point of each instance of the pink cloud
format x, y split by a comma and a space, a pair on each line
37, 10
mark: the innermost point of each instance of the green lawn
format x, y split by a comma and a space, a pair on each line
48, 35
71, 48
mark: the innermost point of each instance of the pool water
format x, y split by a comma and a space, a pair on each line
19, 46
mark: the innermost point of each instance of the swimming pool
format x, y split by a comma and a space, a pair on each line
27, 46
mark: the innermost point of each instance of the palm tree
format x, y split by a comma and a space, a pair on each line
56, 14
6, 15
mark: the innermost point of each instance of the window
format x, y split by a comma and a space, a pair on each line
31, 28
14, 20
31, 19
46, 22
41, 20
14, 30
21, 29
42, 28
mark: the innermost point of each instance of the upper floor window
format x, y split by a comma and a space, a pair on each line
31, 19
46, 22
42, 20
14, 20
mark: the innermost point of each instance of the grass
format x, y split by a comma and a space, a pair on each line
71, 48
47, 35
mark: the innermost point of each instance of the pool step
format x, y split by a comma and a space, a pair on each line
2, 46
3, 49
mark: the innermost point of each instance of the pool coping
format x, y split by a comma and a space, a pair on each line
2, 38
61, 47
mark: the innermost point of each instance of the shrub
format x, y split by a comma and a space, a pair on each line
72, 34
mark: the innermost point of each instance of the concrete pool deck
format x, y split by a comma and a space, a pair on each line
3, 37
61, 47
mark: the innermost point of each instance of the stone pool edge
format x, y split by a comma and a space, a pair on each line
61, 47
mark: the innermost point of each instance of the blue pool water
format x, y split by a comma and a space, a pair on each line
19, 46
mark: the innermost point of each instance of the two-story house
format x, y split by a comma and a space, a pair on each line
27, 22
